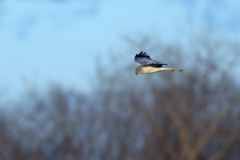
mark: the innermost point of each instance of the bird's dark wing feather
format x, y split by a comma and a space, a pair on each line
157, 65
144, 59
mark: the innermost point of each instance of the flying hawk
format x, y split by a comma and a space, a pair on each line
150, 66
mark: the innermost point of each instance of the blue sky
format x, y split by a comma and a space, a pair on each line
44, 42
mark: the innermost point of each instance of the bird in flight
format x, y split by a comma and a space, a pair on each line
147, 65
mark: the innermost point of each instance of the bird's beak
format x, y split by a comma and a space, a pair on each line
136, 73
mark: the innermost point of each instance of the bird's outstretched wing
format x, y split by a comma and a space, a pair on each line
144, 59
156, 65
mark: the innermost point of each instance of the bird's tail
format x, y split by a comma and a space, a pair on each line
171, 69
178, 70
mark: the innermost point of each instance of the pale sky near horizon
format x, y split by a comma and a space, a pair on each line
44, 42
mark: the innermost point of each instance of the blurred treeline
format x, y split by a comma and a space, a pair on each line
193, 115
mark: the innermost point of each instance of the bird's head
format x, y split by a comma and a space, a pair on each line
136, 71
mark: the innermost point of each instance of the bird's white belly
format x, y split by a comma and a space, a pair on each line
150, 70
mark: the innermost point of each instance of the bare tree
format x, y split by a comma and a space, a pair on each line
182, 116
